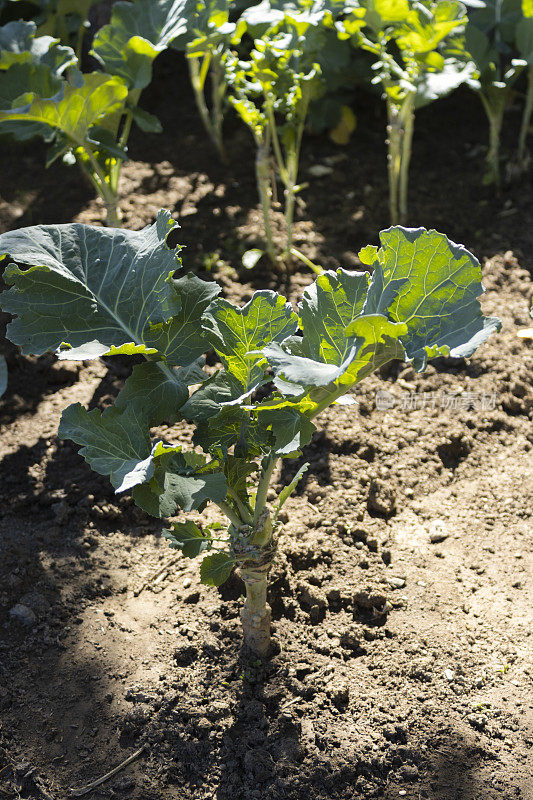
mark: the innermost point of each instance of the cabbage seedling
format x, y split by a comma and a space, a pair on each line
271, 91
86, 118
419, 58
209, 34
496, 33
85, 292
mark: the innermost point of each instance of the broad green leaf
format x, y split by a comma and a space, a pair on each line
84, 282
187, 537
18, 86
232, 427
237, 472
372, 340
367, 255
157, 392
18, 45
78, 108
328, 306
137, 33
178, 480
438, 301
3, 375
216, 568
181, 339
207, 401
289, 489
237, 334
113, 442
291, 430
148, 123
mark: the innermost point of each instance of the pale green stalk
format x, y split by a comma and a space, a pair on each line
394, 159
198, 71
494, 105
262, 172
288, 169
408, 120
218, 90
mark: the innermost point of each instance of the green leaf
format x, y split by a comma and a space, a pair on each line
3, 375
438, 300
113, 442
187, 537
392, 10
137, 33
84, 282
291, 429
216, 568
289, 489
232, 426
367, 255
182, 339
237, 472
237, 334
372, 340
76, 111
154, 391
148, 123
328, 306
207, 401
18, 86
178, 480
524, 38
104, 139
18, 45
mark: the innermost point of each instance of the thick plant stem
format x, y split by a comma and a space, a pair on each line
526, 117
262, 171
256, 613
113, 219
408, 119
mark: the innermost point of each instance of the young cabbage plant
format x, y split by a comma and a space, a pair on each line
419, 58
210, 34
492, 37
271, 92
85, 292
43, 94
86, 118
126, 48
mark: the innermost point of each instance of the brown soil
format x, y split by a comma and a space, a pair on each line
405, 663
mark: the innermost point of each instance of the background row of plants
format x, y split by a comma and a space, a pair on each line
284, 67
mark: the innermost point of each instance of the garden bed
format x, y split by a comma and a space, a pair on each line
400, 598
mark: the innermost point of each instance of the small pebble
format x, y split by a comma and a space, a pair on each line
396, 583
22, 614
